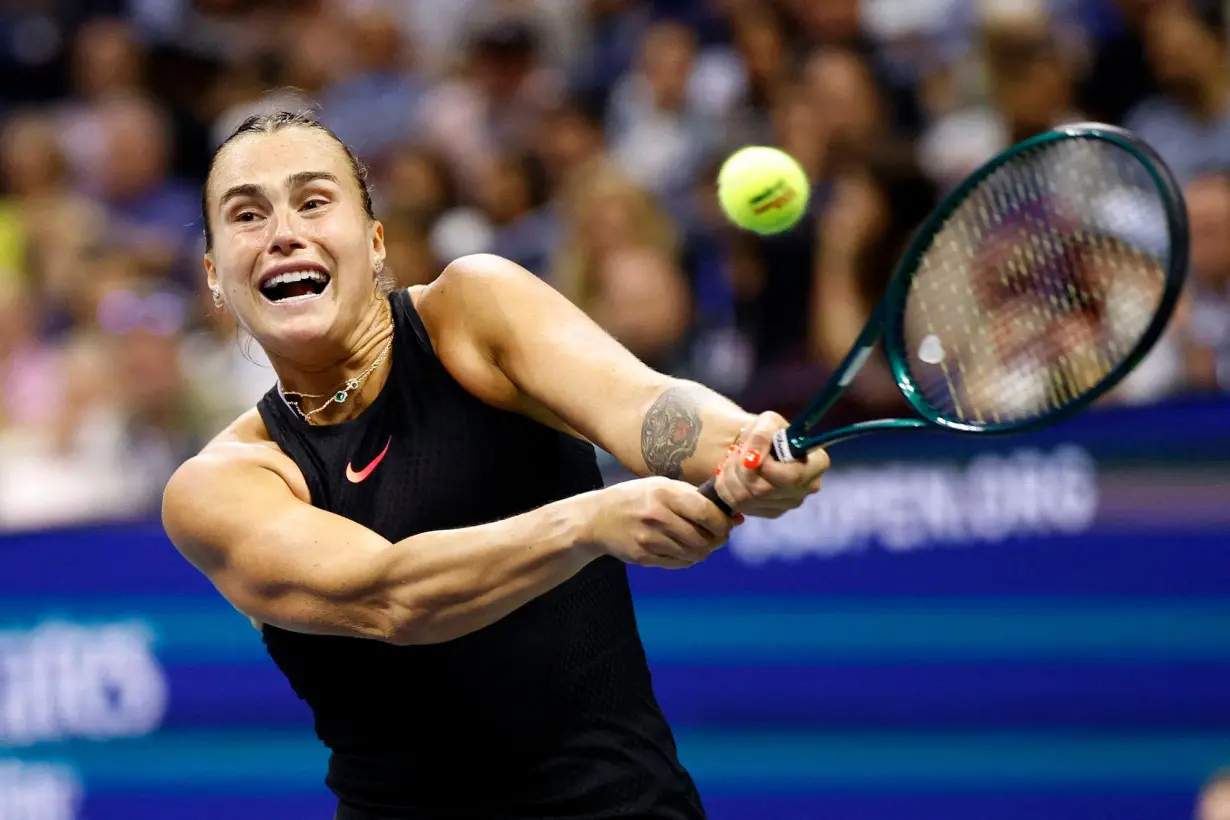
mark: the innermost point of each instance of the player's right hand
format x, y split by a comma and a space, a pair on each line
657, 522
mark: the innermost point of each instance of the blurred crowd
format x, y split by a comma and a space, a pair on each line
580, 138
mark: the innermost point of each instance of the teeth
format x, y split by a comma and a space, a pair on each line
294, 276
292, 299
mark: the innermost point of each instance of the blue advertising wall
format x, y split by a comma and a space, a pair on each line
953, 629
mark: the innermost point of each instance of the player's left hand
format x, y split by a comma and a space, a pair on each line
755, 483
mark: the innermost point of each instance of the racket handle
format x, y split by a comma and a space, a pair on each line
784, 450
709, 491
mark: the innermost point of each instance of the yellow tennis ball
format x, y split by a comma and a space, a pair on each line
763, 190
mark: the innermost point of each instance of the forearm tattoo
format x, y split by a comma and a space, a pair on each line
670, 432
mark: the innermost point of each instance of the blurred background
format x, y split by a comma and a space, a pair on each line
1034, 628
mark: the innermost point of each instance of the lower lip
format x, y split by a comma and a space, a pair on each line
297, 300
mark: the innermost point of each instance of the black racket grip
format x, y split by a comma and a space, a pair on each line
709, 491
782, 450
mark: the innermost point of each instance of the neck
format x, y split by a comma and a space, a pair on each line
311, 387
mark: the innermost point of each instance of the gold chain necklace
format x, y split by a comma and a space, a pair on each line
339, 396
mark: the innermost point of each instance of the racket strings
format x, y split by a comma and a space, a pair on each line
1038, 285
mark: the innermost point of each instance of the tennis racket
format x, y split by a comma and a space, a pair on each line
1032, 289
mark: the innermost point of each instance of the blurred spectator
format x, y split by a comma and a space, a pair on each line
514, 198
642, 300
1119, 77
658, 138
106, 66
569, 138
240, 92
715, 259
126, 414
877, 204
313, 57
87, 275
762, 48
847, 109
231, 371
604, 211
1030, 89
496, 99
409, 257
1189, 122
1029, 74
30, 377
107, 61
438, 28
836, 22
616, 29
1208, 311
380, 79
34, 40
417, 184
155, 215
772, 275
43, 223
144, 328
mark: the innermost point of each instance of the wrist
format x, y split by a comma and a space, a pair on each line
578, 523
724, 439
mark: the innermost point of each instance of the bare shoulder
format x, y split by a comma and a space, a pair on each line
515, 342
241, 456
246, 445
467, 311
483, 284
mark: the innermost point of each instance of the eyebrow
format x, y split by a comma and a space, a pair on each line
297, 180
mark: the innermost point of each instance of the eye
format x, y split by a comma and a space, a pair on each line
246, 216
314, 203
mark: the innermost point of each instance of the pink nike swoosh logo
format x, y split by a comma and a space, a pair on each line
360, 476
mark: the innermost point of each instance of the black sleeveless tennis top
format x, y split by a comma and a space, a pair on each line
548, 713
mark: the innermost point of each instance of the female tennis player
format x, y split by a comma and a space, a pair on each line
415, 516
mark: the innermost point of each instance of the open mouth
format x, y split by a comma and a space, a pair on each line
294, 286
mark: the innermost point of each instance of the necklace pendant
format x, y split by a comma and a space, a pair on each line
340, 396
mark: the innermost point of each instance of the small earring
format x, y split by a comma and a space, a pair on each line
217, 297
379, 266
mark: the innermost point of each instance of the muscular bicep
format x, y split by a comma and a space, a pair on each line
276, 558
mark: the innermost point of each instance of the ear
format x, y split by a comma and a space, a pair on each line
378, 251
211, 271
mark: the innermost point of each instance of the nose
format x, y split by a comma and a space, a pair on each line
284, 239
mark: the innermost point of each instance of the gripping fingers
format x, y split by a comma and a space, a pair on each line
666, 562
691, 542
674, 541
741, 484
670, 554
701, 517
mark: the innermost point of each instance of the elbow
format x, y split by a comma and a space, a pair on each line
417, 635
426, 606
421, 626
401, 625
406, 635
407, 625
